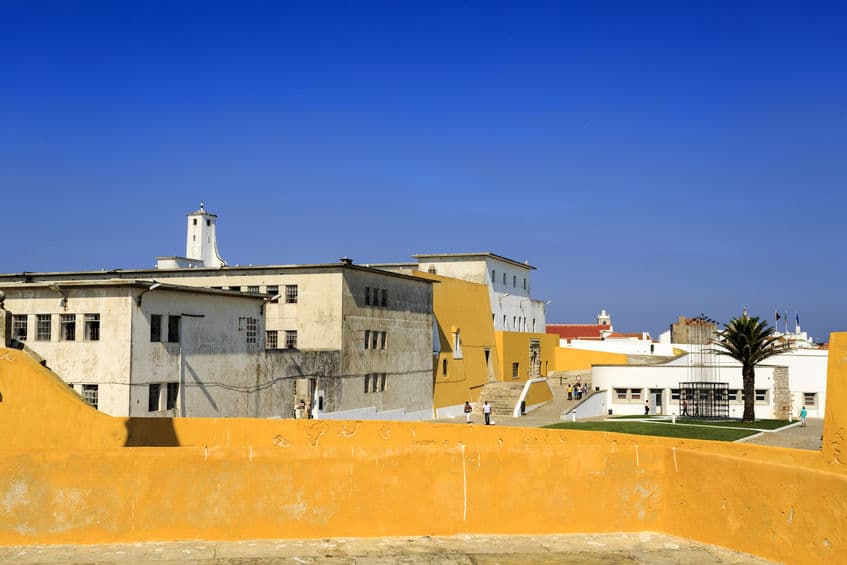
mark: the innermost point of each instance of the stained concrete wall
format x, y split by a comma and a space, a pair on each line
248, 479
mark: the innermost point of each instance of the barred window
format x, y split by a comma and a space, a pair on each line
271, 339
291, 339
67, 324
291, 294
92, 327
251, 327
171, 394
43, 328
155, 327
272, 289
253, 289
90, 394
19, 327
515, 367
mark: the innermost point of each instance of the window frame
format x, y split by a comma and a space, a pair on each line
157, 387
292, 294
155, 328
20, 322
174, 328
271, 339
91, 326
67, 327
291, 339
40, 334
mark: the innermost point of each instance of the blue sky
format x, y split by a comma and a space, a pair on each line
652, 159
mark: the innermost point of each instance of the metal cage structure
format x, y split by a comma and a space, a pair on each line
704, 400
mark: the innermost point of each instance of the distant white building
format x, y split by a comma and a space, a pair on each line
201, 244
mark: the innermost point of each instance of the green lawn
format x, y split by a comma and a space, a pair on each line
634, 417
757, 425
714, 433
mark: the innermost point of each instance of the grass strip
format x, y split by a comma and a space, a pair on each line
713, 433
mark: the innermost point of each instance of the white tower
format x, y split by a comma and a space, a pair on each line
201, 243
604, 319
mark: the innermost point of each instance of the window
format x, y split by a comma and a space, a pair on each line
384, 297
504, 278
155, 327
635, 394
195, 221
524, 283
235, 288
252, 330
674, 394
173, 329
493, 275
432, 270
172, 393
505, 326
208, 223
761, 395
383, 338
271, 339
533, 325
733, 395
621, 393
367, 382
367, 296
42, 327
19, 327
374, 382
291, 294
457, 344
515, 367
253, 289
810, 399
382, 382
92, 327
367, 339
272, 289
375, 338
67, 323
444, 367
154, 391
90, 395
290, 339
515, 281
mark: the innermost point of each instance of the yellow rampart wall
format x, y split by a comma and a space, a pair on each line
513, 347
538, 393
568, 359
65, 477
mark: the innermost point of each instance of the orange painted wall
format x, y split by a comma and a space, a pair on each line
513, 347
64, 478
538, 392
569, 359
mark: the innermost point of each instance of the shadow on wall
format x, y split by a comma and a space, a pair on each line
150, 432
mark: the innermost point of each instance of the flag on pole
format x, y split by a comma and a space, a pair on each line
777, 315
797, 318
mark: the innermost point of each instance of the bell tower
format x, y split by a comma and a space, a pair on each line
201, 243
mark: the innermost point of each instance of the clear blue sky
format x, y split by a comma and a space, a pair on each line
653, 159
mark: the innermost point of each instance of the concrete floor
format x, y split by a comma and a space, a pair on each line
576, 549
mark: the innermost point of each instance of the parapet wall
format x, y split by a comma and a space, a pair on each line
65, 477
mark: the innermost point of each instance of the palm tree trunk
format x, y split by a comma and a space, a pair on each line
748, 377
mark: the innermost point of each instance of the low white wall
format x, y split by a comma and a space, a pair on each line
624, 346
595, 405
517, 411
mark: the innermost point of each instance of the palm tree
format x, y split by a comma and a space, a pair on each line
749, 341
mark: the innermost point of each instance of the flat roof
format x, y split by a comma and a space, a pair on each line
525, 264
58, 285
30, 277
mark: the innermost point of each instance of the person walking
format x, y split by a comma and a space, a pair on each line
468, 411
803, 415
486, 410
646, 407
684, 408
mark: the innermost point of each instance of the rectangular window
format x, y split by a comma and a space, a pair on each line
173, 329
92, 327
291, 294
155, 328
621, 393
514, 281
382, 382
235, 288
761, 395
290, 339
90, 395
674, 394
504, 278
271, 339
252, 330
272, 289
635, 394
493, 276
515, 367
375, 339
383, 337
444, 367
42, 328
367, 339
733, 395
367, 382
367, 296
524, 283
172, 393
154, 392
505, 326
67, 327
19, 327
810, 399
384, 297
253, 289
374, 381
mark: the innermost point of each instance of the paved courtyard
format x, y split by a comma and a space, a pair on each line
575, 549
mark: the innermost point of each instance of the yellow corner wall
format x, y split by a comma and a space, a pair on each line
465, 306
64, 478
538, 393
513, 347
569, 359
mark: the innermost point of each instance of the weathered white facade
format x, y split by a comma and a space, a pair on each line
508, 282
138, 348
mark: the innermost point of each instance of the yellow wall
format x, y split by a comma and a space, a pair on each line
569, 359
538, 392
513, 347
466, 306
64, 478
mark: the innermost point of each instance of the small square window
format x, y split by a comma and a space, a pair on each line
674, 394
290, 339
90, 393
761, 395
291, 294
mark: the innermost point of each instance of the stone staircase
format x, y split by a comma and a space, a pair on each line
501, 396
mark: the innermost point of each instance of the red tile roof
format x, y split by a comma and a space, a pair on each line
577, 331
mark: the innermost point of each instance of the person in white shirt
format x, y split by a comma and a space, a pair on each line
486, 409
